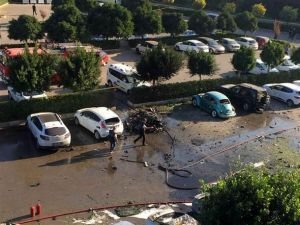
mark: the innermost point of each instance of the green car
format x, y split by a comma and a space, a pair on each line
215, 103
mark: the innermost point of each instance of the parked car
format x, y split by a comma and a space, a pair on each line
124, 77
188, 33
286, 92
214, 46
262, 41
48, 130
191, 45
99, 120
215, 103
144, 46
249, 96
21, 96
287, 64
262, 68
296, 82
247, 42
230, 44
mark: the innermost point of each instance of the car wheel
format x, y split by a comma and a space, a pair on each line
177, 48
246, 107
214, 114
97, 135
290, 103
109, 83
194, 102
76, 121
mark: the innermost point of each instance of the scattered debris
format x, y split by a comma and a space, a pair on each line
128, 211
35, 185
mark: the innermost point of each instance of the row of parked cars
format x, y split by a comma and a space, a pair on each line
49, 131
247, 96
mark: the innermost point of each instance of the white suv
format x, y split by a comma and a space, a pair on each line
124, 77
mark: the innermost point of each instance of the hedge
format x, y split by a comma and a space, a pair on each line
67, 103
186, 89
106, 44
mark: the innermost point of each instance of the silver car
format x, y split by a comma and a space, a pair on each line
230, 44
214, 46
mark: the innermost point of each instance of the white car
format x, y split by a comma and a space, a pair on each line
99, 120
21, 96
286, 92
247, 42
262, 68
230, 44
287, 64
124, 77
48, 130
191, 45
188, 33
144, 46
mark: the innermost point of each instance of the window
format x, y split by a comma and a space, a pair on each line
112, 121
93, 116
236, 89
286, 90
37, 123
55, 131
115, 73
224, 101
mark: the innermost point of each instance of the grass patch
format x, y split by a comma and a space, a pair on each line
2, 2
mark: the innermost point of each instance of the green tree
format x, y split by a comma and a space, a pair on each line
289, 14
174, 23
246, 21
272, 54
146, 20
201, 23
159, 63
229, 7
199, 4
86, 5
80, 71
243, 60
57, 3
296, 56
131, 5
32, 71
110, 20
226, 22
259, 10
253, 197
202, 63
66, 24
25, 28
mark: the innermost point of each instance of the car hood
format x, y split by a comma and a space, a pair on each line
219, 47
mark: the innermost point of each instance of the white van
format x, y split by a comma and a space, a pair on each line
124, 77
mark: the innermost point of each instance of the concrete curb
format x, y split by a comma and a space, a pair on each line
169, 101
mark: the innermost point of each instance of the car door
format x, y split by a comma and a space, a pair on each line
184, 46
35, 126
235, 94
192, 47
205, 102
286, 94
276, 91
93, 121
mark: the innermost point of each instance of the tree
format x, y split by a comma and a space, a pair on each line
146, 20
86, 5
110, 20
296, 56
32, 71
66, 24
201, 23
272, 54
80, 71
259, 10
25, 28
202, 63
289, 14
229, 7
57, 3
131, 5
174, 23
246, 21
199, 4
159, 63
253, 197
244, 59
226, 22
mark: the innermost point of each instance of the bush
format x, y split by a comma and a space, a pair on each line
186, 89
106, 44
68, 103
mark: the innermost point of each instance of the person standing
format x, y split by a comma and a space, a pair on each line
112, 138
34, 9
142, 132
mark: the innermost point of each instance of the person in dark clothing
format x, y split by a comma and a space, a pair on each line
34, 10
142, 132
112, 138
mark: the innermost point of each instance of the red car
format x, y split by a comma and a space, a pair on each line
262, 41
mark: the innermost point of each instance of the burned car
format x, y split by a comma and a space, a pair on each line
248, 96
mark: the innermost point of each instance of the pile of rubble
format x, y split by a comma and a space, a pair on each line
136, 118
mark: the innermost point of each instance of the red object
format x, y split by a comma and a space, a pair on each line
32, 211
38, 209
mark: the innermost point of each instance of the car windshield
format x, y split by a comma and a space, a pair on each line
231, 42
213, 42
252, 42
134, 78
224, 101
199, 44
112, 121
55, 131
27, 93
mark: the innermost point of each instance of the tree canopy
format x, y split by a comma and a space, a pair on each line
199, 4
246, 21
159, 63
86, 5
226, 22
80, 71
174, 23
244, 59
201, 23
229, 7
110, 20
57, 3
202, 63
25, 28
272, 54
296, 56
259, 10
253, 197
289, 14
